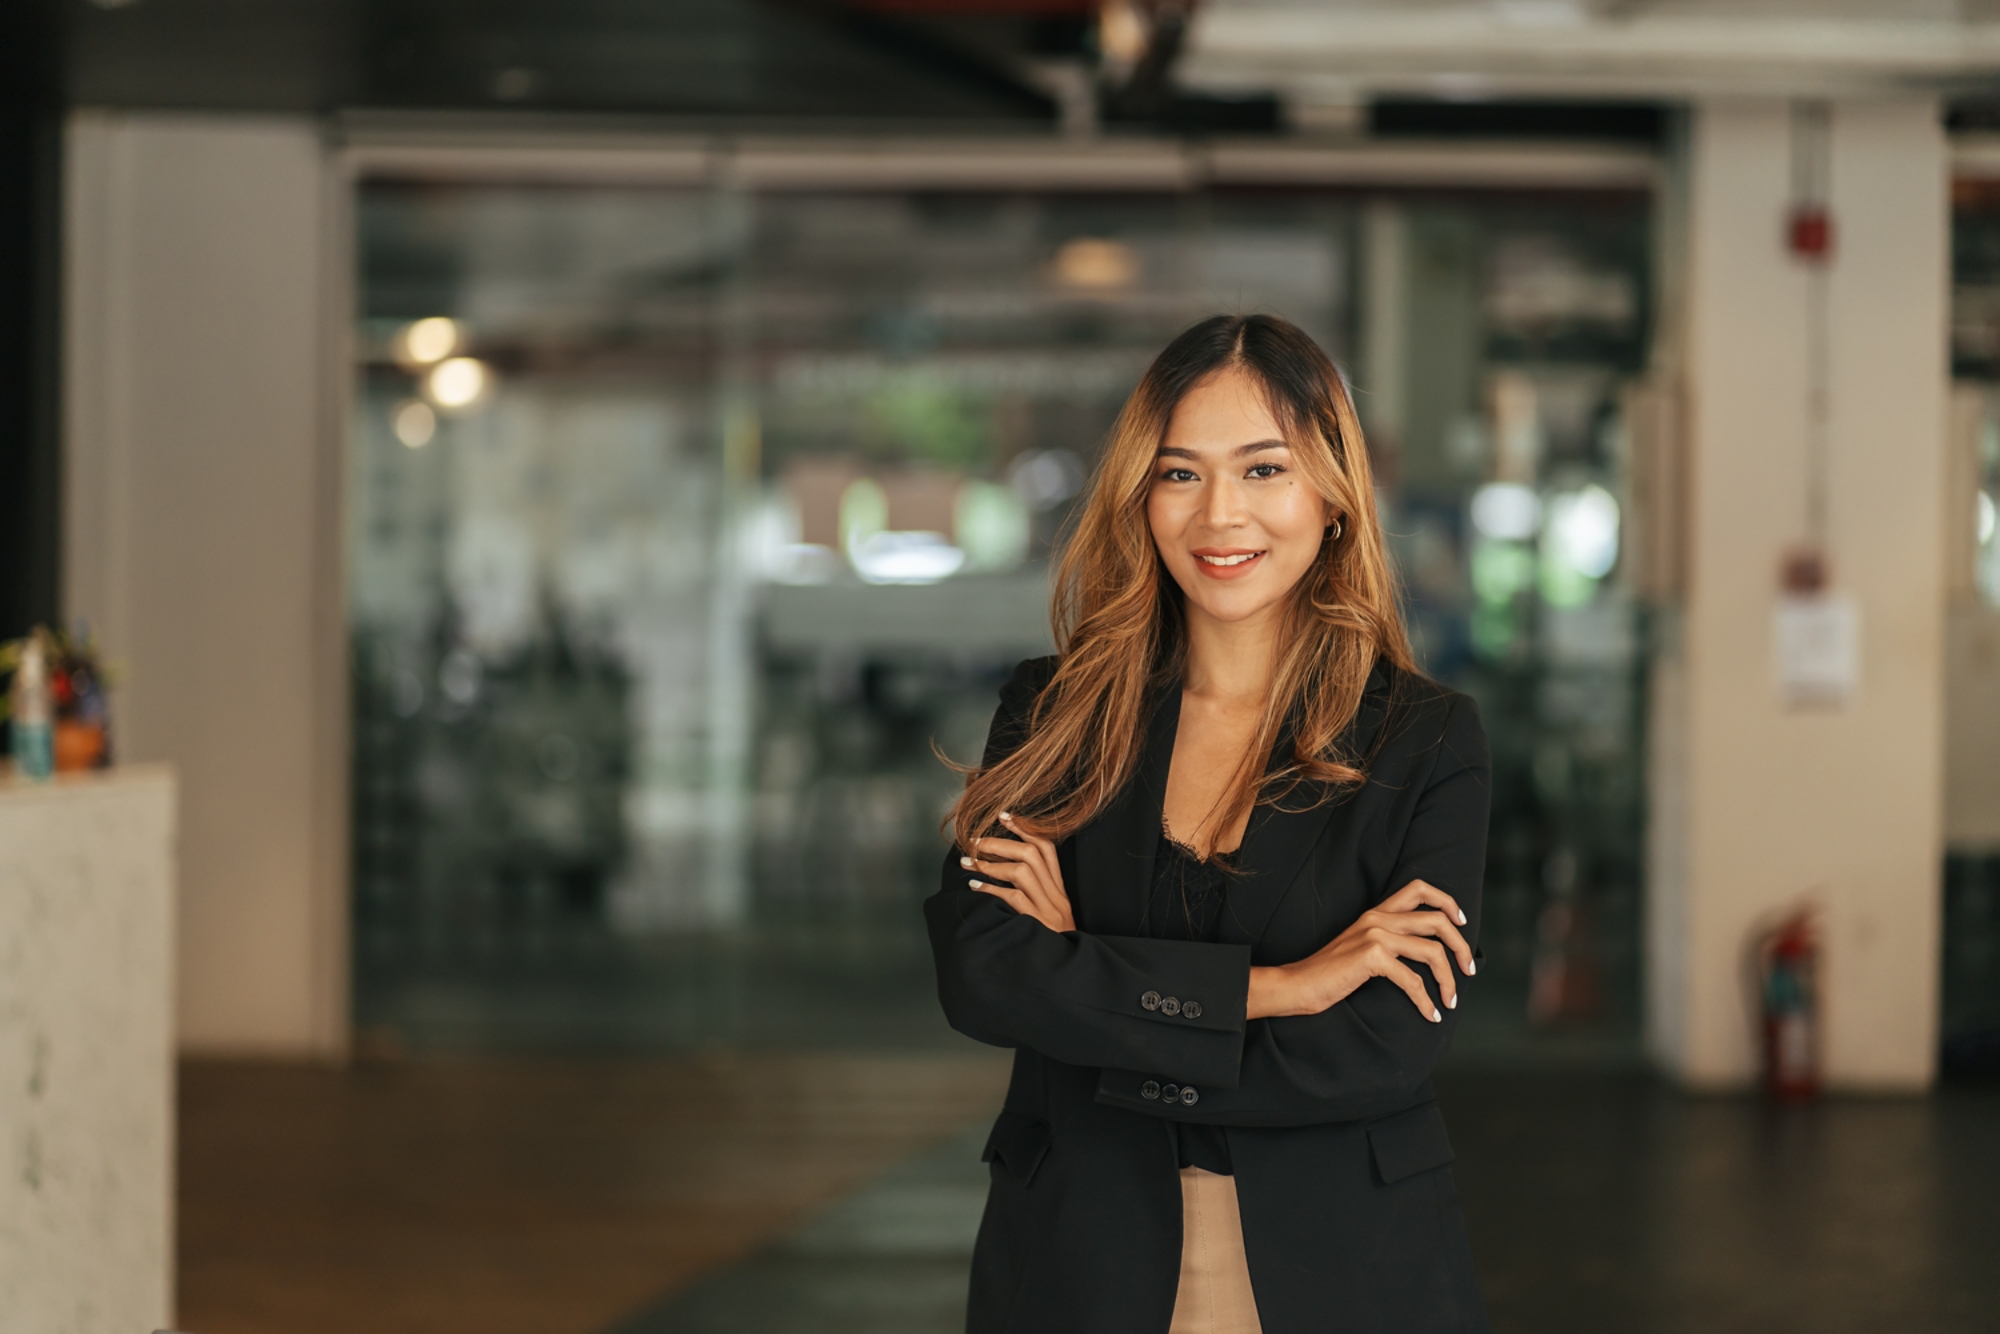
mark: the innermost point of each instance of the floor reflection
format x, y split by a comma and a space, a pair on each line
892, 1258
784, 1193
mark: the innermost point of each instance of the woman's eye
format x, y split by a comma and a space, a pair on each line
1177, 475
1265, 470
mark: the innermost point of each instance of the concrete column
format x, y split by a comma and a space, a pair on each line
201, 537
1757, 806
86, 1055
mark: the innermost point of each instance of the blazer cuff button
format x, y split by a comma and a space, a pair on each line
1189, 1097
1192, 1009
1150, 1089
1170, 1006
1151, 1001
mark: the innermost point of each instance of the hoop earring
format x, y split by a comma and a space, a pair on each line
1334, 530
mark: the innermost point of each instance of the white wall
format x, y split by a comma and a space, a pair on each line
1771, 805
201, 538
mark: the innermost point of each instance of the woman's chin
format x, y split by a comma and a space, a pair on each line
1236, 605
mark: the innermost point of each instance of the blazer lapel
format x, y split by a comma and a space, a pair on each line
1280, 838
1114, 852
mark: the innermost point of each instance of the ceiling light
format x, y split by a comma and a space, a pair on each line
458, 383
427, 341
1096, 264
415, 424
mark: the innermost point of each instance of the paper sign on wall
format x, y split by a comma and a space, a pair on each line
1816, 648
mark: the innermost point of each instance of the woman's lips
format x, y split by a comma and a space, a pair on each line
1227, 564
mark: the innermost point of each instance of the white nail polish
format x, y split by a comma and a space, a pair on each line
1461, 917
1005, 816
973, 883
1452, 1004
1471, 968
966, 862
1436, 1018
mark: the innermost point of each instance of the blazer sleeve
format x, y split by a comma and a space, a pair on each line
1007, 980
1372, 1052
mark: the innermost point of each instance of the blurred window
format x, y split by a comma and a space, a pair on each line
686, 523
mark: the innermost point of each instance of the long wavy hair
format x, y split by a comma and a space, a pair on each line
1120, 623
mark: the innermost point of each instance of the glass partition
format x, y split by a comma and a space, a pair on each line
692, 531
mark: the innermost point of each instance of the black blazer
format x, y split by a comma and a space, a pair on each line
1350, 1218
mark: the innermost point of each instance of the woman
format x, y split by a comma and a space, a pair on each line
1216, 882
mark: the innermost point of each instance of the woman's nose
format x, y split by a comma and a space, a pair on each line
1222, 507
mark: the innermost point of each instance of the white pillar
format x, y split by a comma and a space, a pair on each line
202, 389
86, 1052
1757, 806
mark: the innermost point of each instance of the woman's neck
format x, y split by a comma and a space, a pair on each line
1231, 661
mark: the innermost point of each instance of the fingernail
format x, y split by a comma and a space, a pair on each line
1471, 968
1461, 917
966, 862
1451, 1004
973, 883
1436, 1018
1005, 816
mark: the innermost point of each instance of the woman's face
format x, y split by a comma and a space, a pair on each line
1234, 522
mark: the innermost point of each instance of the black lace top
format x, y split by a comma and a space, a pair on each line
1186, 904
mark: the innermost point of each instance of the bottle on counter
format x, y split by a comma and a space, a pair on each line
31, 718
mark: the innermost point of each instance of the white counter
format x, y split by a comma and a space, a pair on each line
86, 1053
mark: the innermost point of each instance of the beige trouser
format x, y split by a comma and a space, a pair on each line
1215, 1296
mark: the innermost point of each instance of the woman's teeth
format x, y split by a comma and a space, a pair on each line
1231, 560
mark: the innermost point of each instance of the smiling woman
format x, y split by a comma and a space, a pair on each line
1217, 883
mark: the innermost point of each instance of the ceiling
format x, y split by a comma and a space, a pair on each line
1008, 64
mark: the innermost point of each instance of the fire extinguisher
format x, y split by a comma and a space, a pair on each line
1788, 967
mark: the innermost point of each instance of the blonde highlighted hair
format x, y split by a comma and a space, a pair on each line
1118, 615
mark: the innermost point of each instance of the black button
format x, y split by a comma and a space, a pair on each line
1172, 1093
1189, 1097
1170, 1006
1150, 1089
1151, 1000
1192, 1009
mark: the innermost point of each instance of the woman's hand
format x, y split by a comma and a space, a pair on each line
1027, 862
1403, 927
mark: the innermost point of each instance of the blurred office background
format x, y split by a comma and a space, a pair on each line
562, 483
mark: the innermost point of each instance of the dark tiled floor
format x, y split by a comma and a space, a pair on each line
890, 1259
838, 1193
525, 1197
1612, 1203
1596, 1203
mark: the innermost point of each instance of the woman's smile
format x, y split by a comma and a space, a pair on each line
1227, 562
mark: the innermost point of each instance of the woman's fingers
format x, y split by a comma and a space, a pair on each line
1421, 923
1425, 951
1423, 894
1014, 862
1013, 898
1413, 986
1028, 864
1026, 904
1039, 848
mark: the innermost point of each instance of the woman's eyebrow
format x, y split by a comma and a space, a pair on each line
1176, 452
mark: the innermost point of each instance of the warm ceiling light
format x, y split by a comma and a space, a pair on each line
1096, 264
415, 424
428, 341
458, 383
